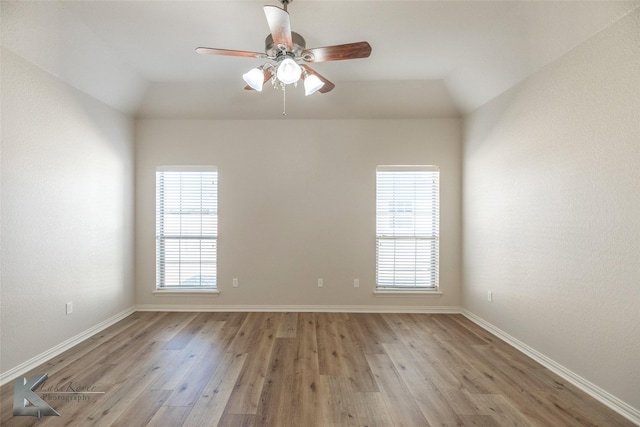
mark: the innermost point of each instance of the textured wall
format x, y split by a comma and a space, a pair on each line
67, 211
552, 210
297, 203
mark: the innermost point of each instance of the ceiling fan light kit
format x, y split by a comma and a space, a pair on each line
312, 84
288, 71
287, 52
254, 78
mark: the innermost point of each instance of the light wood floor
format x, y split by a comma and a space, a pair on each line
304, 369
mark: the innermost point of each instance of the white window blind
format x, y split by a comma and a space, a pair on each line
186, 227
407, 227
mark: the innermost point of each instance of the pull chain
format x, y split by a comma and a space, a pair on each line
284, 100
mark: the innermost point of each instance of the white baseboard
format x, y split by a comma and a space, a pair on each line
300, 308
41, 358
606, 398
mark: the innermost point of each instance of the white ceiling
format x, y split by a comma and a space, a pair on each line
429, 58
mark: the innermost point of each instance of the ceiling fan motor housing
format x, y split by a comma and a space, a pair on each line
297, 41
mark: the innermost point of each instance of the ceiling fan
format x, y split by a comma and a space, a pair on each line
287, 52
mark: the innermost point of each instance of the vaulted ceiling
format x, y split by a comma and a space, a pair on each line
429, 58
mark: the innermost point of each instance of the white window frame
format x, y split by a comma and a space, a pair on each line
407, 240
186, 216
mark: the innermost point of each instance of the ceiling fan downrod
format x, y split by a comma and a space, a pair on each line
285, 3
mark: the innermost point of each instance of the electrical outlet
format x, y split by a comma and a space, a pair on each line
69, 307
489, 296
235, 282
320, 283
356, 283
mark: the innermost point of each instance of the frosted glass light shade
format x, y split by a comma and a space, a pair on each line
288, 71
311, 84
254, 78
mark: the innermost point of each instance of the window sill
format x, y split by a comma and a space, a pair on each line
400, 293
175, 292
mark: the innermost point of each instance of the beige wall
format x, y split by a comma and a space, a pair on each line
296, 203
67, 212
552, 211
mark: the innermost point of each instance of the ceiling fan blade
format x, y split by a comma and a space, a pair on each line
327, 87
268, 74
337, 52
214, 51
280, 26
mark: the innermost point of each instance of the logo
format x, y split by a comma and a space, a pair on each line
26, 402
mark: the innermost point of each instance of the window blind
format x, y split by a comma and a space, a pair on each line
186, 227
407, 226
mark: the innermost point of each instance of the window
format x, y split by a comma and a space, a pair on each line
186, 227
407, 227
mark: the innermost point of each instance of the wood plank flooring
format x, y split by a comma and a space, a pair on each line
303, 370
